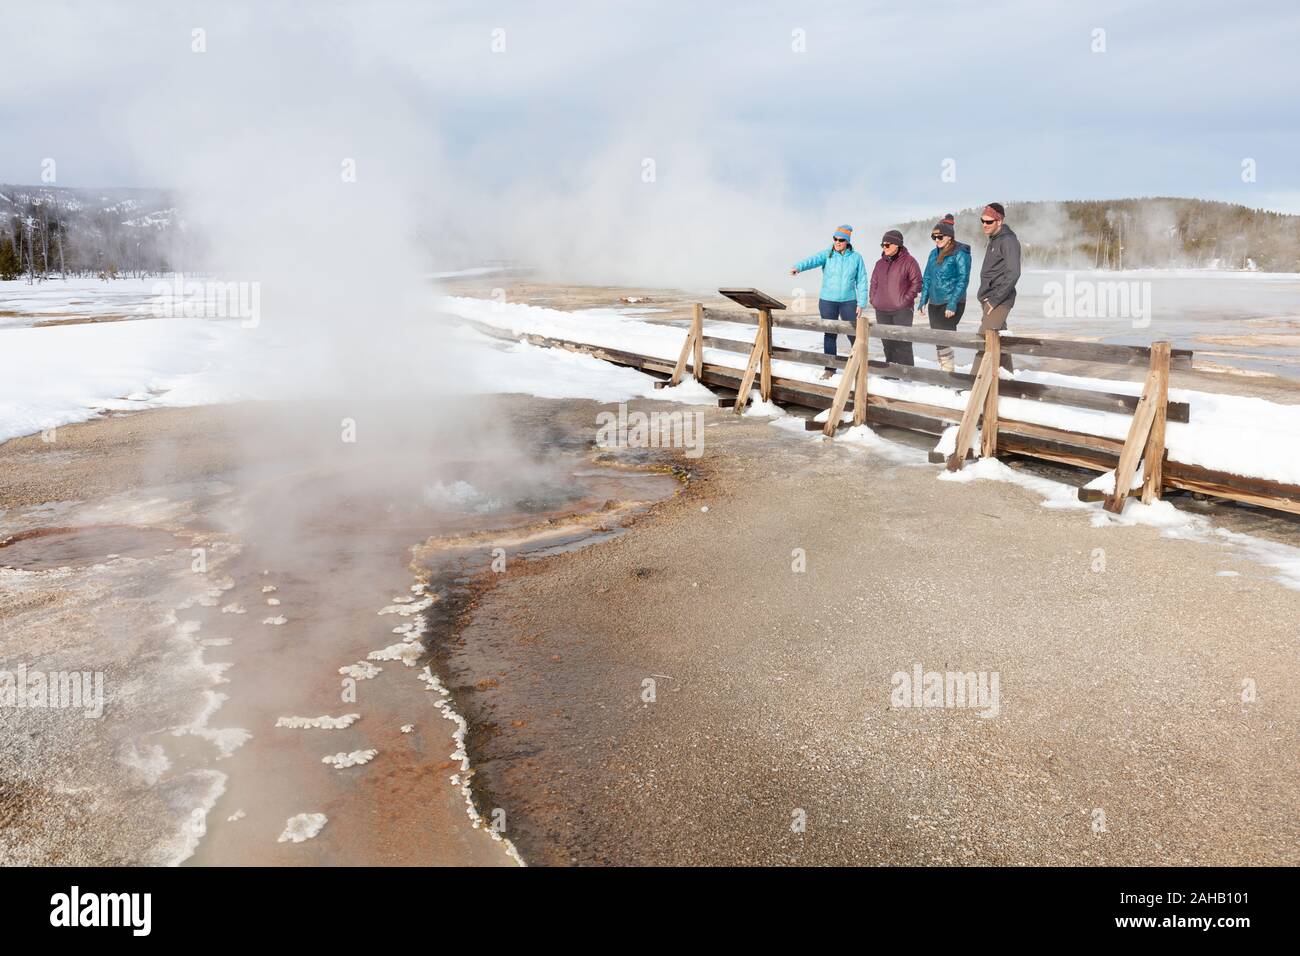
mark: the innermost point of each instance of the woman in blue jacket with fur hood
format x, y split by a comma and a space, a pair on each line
943, 286
844, 286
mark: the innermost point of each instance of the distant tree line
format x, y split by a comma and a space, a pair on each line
54, 231
59, 231
1140, 234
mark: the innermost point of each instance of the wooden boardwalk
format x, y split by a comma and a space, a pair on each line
1142, 452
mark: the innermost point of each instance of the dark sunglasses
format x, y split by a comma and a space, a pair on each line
838, 239
988, 222
937, 236
886, 245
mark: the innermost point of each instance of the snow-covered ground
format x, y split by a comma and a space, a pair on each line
72, 298
57, 375
62, 374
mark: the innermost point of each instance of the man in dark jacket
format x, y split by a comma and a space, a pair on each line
998, 274
895, 284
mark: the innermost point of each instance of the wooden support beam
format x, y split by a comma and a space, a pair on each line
860, 399
1009, 388
942, 417
919, 373
697, 330
1252, 491
1086, 398
1153, 455
989, 432
968, 340
1090, 351
765, 339
974, 407
819, 359
1097, 443
693, 346
779, 354
751, 369
846, 386
929, 419
1138, 432
680, 367
924, 336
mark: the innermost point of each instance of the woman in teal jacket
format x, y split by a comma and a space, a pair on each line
943, 286
844, 286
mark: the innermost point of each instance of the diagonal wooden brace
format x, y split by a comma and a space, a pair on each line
856, 358
694, 342
1138, 433
759, 364
975, 405
751, 369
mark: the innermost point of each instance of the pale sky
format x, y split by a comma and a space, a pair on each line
760, 114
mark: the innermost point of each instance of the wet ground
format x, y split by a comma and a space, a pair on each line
714, 686
217, 567
217, 602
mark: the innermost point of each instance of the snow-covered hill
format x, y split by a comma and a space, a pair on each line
56, 229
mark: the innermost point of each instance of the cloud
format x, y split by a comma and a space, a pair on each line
527, 132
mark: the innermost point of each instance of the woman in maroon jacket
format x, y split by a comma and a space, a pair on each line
895, 284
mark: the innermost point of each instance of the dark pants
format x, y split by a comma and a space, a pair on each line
900, 353
940, 321
996, 319
843, 312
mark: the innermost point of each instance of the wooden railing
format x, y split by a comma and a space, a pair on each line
1150, 410
1077, 449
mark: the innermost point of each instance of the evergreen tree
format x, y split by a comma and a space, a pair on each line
10, 267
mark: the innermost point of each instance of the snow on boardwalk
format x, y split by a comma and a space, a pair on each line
1247, 436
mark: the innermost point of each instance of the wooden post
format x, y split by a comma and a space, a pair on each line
694, 337
1153, 456
975, 405
860, 386
989, 434
697, 330
765, 337
1138, 434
